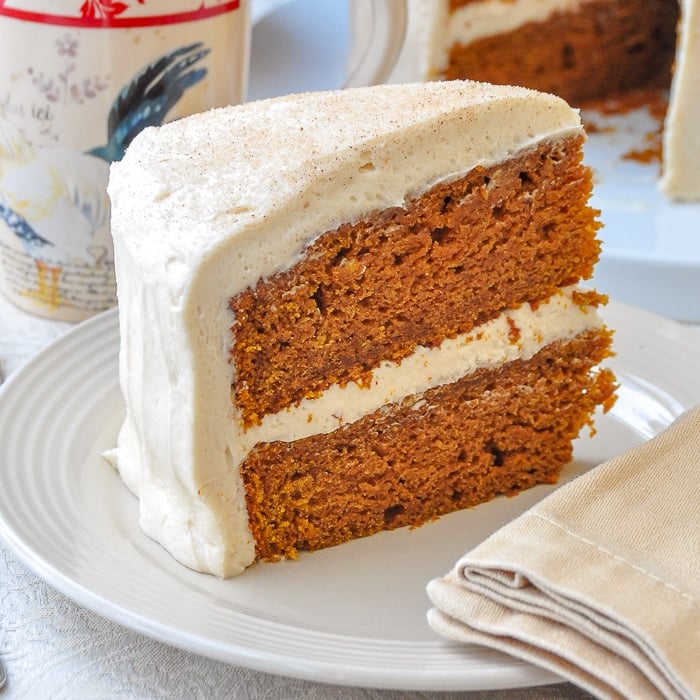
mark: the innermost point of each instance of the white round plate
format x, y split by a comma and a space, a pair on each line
651, 245
352, 614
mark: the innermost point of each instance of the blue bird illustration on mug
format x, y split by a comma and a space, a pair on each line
58, 228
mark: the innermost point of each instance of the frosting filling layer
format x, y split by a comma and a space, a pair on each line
515, 334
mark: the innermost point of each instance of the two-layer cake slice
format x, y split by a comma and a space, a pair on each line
351, 311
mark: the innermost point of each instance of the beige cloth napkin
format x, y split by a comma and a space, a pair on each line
599, 582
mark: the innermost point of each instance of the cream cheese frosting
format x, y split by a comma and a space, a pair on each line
205, 206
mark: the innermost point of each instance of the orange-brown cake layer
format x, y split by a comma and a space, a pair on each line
601, 48
496, 431
452, 259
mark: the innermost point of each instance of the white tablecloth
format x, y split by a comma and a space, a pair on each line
53, 648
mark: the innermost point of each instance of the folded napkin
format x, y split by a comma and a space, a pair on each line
599, 582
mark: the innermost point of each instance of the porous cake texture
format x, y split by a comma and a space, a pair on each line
581, 50
351, 311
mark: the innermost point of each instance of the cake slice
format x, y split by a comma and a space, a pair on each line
581, 50
351, 311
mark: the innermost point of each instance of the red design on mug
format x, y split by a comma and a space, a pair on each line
114, 14
100, 9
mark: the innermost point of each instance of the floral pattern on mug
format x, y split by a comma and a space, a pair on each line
65, 85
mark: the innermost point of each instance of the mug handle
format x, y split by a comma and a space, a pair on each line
377, 42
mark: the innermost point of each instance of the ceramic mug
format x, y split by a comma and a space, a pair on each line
77, 83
